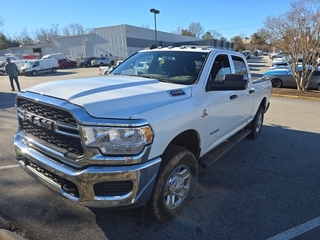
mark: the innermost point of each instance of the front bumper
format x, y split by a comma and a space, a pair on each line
80, 185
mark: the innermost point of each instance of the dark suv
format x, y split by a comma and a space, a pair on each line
86, 62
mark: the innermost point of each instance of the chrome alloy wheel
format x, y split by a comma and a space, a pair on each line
177, 186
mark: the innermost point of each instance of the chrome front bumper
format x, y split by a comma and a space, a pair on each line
142, 176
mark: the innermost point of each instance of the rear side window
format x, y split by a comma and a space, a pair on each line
239, 65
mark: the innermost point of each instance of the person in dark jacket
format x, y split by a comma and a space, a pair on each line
12, 71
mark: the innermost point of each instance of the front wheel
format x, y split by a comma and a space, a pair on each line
256, 125
34, 73
174, 184
276, 83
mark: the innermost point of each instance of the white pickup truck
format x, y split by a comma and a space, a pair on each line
135, 137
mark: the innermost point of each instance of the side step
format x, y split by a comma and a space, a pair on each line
222, 149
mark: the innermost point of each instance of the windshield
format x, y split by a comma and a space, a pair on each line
29, 64
179, 67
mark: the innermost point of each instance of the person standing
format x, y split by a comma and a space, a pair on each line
12, 71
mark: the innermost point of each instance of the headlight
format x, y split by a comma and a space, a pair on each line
117, 141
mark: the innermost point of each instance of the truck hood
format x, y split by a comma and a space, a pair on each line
114, 96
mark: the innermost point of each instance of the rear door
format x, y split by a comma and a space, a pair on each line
245, 98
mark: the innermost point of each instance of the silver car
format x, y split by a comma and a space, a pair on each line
283, 78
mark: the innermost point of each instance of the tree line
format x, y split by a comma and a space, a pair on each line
42, 35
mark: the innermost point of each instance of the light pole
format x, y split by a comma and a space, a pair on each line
155, 12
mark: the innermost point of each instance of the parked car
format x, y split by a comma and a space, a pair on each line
247, 54
102, 61
274, 55
86, 62
65, 63
283, 78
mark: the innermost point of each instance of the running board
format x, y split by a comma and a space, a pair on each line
222, 149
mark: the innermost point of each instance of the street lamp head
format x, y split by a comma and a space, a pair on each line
155, 11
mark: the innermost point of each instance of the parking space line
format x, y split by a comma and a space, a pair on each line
9, 166
298, 230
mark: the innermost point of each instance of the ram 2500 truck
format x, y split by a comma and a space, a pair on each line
137, 137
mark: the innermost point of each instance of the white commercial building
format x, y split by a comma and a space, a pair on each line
120, 41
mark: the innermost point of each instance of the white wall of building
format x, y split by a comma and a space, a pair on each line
121, 41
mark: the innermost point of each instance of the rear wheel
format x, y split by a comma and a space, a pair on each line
256, 125
319, 87
1, 72
276, 83
174, 184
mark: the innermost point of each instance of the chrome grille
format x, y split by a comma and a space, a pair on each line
46, 111
70, 147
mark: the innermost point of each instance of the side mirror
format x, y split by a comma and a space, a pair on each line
230, 82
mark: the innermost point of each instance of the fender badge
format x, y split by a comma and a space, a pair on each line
178, 92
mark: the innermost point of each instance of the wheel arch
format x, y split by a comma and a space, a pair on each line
264, 103
188, 139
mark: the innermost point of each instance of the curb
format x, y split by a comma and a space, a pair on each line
6, 234
291, 96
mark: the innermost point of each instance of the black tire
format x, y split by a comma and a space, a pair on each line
34, 73
276, 83
318, 87
101, 64
62, 66
1, 72
256, 125
175, 182
112, 63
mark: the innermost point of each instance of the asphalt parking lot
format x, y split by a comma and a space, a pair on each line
262, 189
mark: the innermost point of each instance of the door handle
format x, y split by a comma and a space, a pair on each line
251, 91
233, 97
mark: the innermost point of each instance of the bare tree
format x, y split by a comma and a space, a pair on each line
211, 34
66, 31
260, 40
196, 29
238, 43
1, 21
177, 31
298, 33
76, 29
46, 35
24, 37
